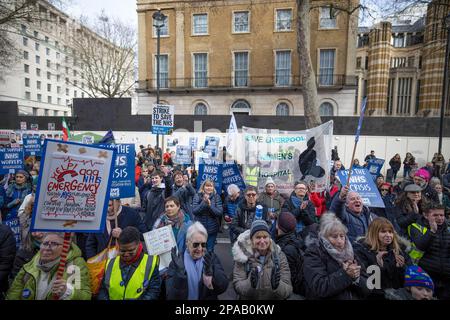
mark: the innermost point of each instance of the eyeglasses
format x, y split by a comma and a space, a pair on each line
384, 189
251, 195
196, 244
301, 188
50, 245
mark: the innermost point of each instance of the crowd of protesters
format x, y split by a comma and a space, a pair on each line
309, 245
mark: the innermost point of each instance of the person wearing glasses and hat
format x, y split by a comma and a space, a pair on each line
408, 207
195, 273
36, 280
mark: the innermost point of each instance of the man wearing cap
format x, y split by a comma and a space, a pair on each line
421, 178
418, 286
261, 270
271, 198
292, 248
430, 237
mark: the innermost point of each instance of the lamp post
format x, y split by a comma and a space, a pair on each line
446, 83
158, 23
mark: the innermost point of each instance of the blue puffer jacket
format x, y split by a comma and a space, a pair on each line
15, 192
209, 216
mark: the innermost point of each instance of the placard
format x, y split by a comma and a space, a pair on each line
210, 170
162, 119
183, 155
73, 187
11, 159
32, 146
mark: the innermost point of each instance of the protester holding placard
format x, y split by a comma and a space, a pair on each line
133, 275
7, 254
207, 209
37, 279
195, 273
184, 191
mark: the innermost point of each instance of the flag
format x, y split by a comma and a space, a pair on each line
363, 109
108, 138
65, 129
232, 136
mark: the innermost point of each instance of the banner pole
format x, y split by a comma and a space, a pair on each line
351, 164
63, 259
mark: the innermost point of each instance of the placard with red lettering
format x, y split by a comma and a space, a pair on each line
73, 187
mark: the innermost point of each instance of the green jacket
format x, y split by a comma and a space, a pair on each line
24, 285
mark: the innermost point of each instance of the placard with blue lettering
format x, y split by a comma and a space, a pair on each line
374, 166
212, 146
123, 185
183, 155
73, 187
162, 118
193, 142
11, 159
361, 181
32, 146
210, 170
232, 175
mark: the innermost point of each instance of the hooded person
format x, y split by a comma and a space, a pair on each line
261, 270
418, 285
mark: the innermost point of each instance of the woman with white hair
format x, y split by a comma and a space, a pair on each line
231, 203
195, 274
331, 271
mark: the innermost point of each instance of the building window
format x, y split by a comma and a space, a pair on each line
57, 66
283, 68
163, 70
282, 109
283, 20
200, 24
38, 85
58, 55
25, 55
164, 30
398, 40
411, 61
363, 40
35, 111
241, 22
366, 63
38, 59
358, 63
48, 63
27, 82
36, 46
59, 101
23, 28
49, 87
241, 107
46, 112
55, 113
38, 72
326, 109
49, 99
200, 109
56, 44
326, 72
75, 93
328, 18
58, 89
200, 70
39, 97
75, 82
67, 70
404, 96
25, 41
241, 69
58, 78
75, 73
26, 68
65, 112
67, 92
390, 98
46, 39
49, 76
82, 94
28, 95
36, 34
47, 51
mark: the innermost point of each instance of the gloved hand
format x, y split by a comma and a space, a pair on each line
275, 277
254, 277
177, 260
207, 264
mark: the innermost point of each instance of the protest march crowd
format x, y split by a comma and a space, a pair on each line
310, 245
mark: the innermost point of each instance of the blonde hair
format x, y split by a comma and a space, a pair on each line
372, 237
202, 187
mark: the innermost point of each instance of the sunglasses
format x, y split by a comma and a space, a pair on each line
251, 194
197, 244
384, 189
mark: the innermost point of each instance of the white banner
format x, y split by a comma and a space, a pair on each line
288, 156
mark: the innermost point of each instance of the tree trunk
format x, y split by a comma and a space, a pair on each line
308, 76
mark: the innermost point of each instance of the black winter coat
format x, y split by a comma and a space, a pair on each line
209, 216
177, 283
154, 202
325, 279
404, 219
391, 275
22, 257
292, 248
245, 217
307, 216
7, 254
185, 194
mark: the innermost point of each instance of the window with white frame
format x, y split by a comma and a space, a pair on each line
328, 18
282, 109
241, 69
398, 40
200, 24
200, 70
163, 70
283, 68
39, 97
241, 107
326, 72
283, 20
200, 109
164, 30
241, 22
326, 109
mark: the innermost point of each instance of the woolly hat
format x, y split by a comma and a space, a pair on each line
259, 225
268, 181
415, 276
286, 222
413, 188
424, 174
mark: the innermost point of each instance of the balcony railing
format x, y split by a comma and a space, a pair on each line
275, 82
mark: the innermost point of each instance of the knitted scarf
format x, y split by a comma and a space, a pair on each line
194, 270
339, 256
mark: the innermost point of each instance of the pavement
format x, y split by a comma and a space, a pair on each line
223, 251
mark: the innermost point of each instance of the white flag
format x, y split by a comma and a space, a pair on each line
232, 137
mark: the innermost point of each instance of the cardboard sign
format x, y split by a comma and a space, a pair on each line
212, 147
88, 139
11, 159
361, 181
23, 125
73, 187
162, 119
193, 143
123, 185
32, 146
210, 170
183, 155
160, 240
231, 175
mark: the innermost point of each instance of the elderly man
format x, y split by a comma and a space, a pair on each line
354, 215
336, 167
272, 199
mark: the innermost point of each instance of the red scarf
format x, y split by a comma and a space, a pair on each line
137, 256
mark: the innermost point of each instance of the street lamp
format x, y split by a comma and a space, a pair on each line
158, 23
446, 83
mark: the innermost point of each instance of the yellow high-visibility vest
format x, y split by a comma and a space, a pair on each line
251, 176
415, 253
140, 279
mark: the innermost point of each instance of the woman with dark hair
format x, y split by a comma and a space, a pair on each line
408, 207
395, 163
408, 164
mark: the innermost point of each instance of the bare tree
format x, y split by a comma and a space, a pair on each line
107, 59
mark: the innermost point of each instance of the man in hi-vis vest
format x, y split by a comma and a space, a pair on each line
133, 275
